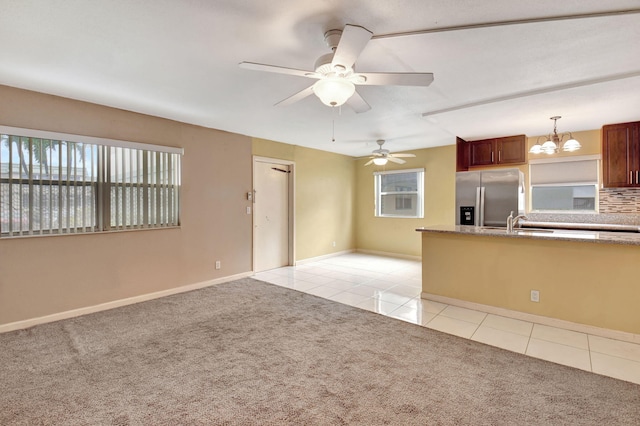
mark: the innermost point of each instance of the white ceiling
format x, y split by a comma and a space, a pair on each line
179, 59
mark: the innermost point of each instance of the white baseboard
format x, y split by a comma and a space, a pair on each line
324, 256
19, 325
387, 254
538, 319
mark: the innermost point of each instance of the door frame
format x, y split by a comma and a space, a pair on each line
290, 210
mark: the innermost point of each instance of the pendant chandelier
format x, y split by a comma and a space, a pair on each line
553, 142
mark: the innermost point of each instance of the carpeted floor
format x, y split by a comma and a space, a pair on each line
248, 352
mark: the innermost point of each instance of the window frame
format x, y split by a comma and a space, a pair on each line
163, 179
595, 183
378, 194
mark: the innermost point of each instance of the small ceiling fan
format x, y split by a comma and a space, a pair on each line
336, 73
381, 156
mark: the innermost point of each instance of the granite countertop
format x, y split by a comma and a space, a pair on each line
607, 237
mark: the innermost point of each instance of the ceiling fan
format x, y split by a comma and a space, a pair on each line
336, 73
381, 156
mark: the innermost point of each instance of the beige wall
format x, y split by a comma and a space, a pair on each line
398, 236
324, 197
334, 202
574, 285
45, 275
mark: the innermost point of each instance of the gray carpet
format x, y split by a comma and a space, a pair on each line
247, 352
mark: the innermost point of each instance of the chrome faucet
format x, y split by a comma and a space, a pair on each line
513, 221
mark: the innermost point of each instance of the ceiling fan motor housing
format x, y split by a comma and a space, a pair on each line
332, 38
323, 64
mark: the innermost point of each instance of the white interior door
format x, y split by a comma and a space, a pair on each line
271, 215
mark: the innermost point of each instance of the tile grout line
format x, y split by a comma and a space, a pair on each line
589, 349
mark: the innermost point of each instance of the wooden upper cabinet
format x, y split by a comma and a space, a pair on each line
621, 155
482, 153
462, 155
498, 151
512, 150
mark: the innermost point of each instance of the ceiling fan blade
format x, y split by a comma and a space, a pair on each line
358, 103
396, 78
395, 160
279, 70
352, 42
402, 155
368, 162
296, 97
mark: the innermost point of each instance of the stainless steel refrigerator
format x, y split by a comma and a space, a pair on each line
485, 198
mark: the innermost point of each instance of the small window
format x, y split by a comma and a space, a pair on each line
565, 185
399, 193
571, 197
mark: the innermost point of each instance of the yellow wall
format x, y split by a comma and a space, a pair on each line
398, 236
46, 275
574, 285
324, 197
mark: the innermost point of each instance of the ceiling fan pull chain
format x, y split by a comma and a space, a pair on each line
333, 130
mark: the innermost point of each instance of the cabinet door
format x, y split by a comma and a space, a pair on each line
619, 155
462, 155
481, 153
512, 149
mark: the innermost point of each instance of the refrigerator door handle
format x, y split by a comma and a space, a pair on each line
480, 206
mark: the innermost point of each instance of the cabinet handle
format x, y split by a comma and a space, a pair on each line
630, 177
492, 156
499, 156
637, 177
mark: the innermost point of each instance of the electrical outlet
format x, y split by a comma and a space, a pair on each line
333, 244
535, 296
218, 264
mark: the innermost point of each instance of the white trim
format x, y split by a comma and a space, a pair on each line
538, 319
566, 159
19, 325
393, 172
44, 134
324, 256
419, 192
396, 255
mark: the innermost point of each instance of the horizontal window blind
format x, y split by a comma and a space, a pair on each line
564, 172
57, 186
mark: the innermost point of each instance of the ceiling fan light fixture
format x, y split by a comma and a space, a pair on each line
334, 91
380, 161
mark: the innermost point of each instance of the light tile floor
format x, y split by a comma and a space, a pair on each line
392, 287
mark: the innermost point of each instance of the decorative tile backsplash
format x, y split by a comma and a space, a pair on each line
619, 200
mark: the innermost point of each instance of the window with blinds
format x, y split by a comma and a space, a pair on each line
399, 193
569, 184
60, 184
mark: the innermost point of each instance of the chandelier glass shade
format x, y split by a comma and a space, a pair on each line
334, 91
553, 142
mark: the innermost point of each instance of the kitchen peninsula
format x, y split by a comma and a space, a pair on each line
588, 278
